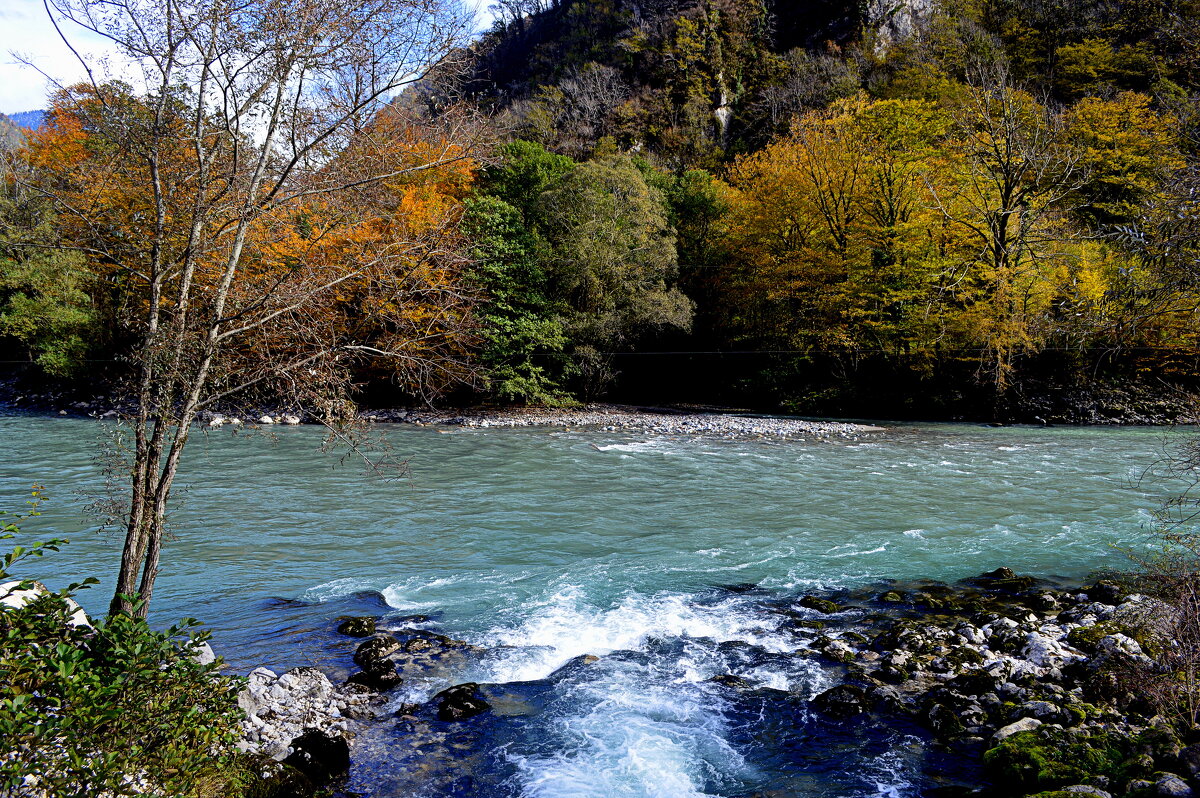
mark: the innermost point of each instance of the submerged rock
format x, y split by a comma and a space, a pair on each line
460, 702
356, 626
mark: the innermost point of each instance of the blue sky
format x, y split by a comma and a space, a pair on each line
26, 30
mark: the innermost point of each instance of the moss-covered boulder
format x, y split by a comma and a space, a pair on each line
1046, 759
819, 604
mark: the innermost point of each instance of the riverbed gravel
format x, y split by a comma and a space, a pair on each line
619, 418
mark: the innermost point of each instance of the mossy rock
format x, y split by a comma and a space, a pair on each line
819, 604
1087, 638
253, 776
892, 597
1045, 759
354, 626
963, 655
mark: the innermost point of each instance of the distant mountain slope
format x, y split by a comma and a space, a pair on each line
30, 120
689, 80
11, 135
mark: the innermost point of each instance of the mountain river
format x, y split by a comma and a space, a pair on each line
671, 559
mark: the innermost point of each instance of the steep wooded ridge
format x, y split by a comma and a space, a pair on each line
979, 210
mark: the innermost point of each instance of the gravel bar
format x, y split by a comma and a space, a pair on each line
619, 418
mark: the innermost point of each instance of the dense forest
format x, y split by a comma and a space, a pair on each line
980, 209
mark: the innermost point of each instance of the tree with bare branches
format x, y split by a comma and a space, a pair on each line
271, 213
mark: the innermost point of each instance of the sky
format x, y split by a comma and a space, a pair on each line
25, 30
26, 33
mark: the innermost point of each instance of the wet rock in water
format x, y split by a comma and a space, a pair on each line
319, 755
417, 645
944, 720
819, 604
356, 627
379, 675
376, 648
460, 702
843, 701
1002, 579
1105, 592
892, 597
729, 680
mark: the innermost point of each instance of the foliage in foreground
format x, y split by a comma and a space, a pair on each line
116, 709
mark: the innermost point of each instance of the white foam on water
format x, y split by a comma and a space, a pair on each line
654, 445
915, 533
890, 774
625, 734
564, 626
877, 550
337, 588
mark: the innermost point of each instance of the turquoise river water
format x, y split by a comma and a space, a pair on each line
664, 556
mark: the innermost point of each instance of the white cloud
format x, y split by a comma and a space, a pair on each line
29, 35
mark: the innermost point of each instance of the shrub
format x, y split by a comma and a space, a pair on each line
116, 709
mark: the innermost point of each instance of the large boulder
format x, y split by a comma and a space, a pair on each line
842, 701
377, 648
281, 708
319, 755
14, 595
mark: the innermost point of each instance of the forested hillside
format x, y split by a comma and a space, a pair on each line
983, 209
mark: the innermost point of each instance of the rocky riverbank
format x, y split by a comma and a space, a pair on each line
1034, 682
650, 420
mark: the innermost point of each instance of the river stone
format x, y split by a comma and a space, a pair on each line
1171, 786
1022, 725
460, 702
843, 701
977, 683
18, 593
379, 675
729, 680
1189, 759
819, 604
356, 626
1086, 790
1105, 592
202, 654
319, 756
376, 648
944, 721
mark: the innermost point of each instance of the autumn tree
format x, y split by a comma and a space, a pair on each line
1012, 176
833, 230
220, 191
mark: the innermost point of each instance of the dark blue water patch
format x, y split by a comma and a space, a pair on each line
290, 633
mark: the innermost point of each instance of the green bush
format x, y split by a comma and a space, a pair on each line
116, 709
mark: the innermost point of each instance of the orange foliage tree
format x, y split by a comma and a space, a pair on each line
270, 219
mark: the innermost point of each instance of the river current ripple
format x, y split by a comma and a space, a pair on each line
672, 559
